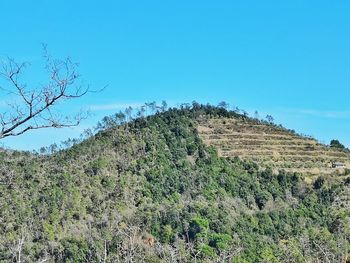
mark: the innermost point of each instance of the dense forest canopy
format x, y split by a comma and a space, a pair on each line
147, 189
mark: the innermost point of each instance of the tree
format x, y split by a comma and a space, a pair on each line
319, 182
128, 113
195, 105
256, 115
34, 108
164, 106
269, 118
336, 144
153, 106
223, 105
198, 227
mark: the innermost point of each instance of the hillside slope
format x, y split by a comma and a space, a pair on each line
150, 190
271, 146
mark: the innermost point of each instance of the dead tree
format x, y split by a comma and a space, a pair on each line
17, 249
34, 108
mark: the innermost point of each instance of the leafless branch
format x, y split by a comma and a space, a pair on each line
32, 108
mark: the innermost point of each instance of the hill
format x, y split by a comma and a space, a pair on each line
151, 190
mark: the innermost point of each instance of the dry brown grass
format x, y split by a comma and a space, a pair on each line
270, 146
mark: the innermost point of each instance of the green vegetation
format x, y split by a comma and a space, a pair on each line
150, 190
336, 144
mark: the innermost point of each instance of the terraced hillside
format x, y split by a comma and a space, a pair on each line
271, 146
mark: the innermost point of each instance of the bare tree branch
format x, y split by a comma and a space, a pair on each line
32, 108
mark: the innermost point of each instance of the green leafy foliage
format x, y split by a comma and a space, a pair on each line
150, 189
337, 144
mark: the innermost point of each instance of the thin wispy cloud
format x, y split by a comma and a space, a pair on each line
331, 114
114, 106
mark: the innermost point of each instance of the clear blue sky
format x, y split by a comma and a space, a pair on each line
287, 58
